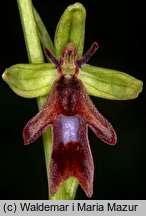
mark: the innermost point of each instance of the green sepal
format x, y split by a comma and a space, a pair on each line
30, 80
110, 84
71, 29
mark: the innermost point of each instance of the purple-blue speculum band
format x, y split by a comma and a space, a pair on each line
69, 128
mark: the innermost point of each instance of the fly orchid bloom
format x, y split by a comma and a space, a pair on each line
67, 108
70, 111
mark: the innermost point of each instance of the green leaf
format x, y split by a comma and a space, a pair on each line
110, 84
71, 29
30, 80
43, 33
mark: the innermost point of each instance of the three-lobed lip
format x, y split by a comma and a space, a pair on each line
70, 111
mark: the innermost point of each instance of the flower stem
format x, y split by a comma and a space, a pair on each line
35, 55
33, 46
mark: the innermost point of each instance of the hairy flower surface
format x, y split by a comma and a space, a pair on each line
67, 108
70, 111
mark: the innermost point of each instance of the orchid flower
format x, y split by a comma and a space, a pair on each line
67, 106
70, 111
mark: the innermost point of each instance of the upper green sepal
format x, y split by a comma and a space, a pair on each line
30, 80
110, 84
71, 29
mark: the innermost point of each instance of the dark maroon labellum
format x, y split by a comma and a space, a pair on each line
70, 111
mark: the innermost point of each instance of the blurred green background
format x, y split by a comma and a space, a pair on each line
120, 171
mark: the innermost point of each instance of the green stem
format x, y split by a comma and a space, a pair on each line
33, 46
35, 55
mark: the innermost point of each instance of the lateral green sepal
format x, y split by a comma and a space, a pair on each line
110, 84
30, 80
